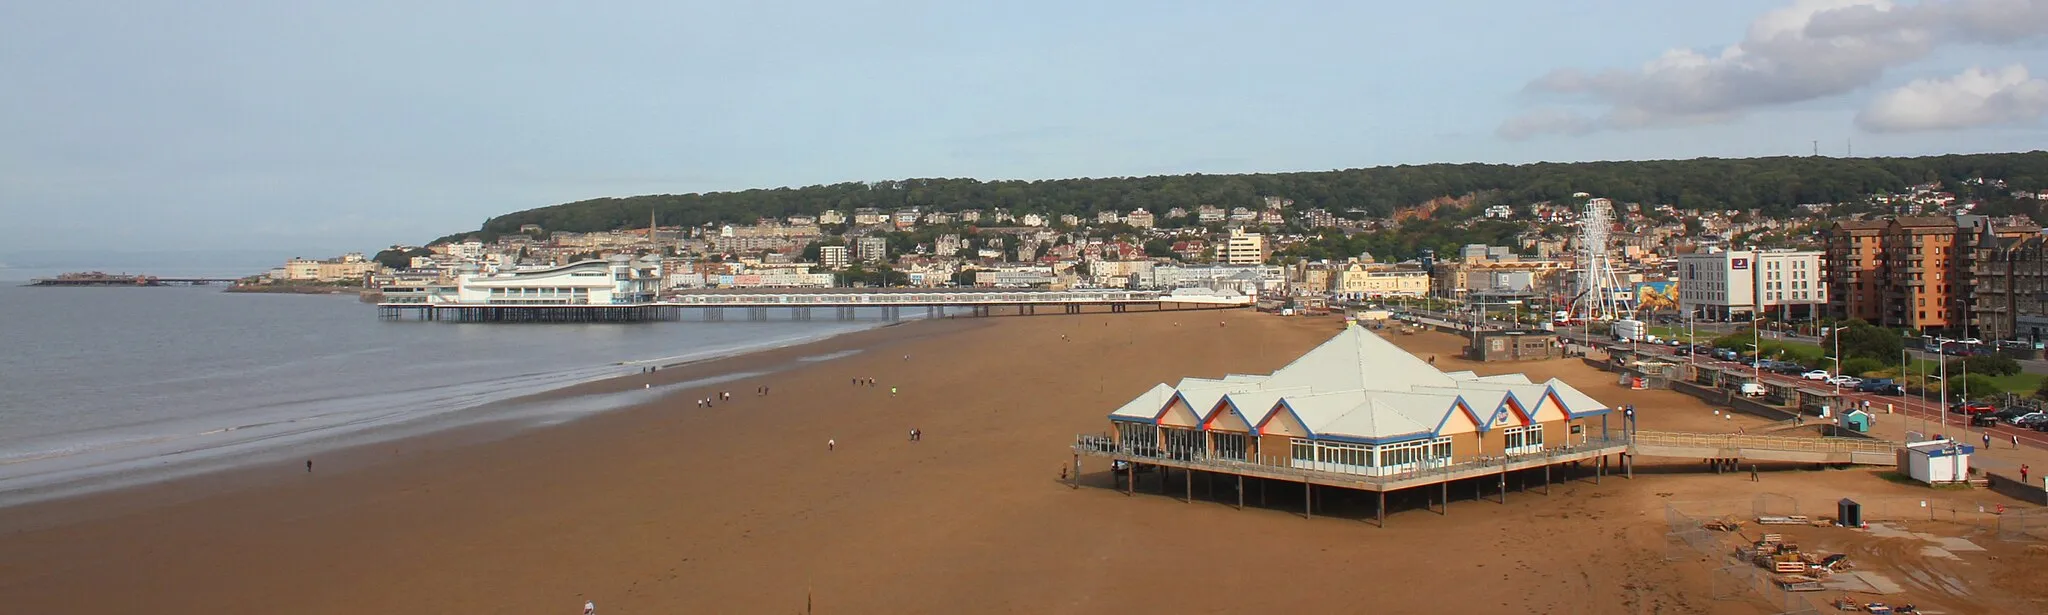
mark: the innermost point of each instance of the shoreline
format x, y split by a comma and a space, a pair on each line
482, 422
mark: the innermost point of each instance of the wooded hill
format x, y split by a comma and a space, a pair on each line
1775, 185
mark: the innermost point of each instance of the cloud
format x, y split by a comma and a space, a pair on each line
1546, 121
1808, 50
1977, 97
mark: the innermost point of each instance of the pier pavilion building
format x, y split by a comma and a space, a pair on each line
619, 280
1360, 413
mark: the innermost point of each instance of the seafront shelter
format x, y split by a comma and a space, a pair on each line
1358, 413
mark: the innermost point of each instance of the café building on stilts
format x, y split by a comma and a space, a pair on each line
1356, 413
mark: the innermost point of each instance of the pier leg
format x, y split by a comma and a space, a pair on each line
1546, 480
1382, 513
1076, 483
1447, 498
1188, 478
1628, 465
1599, 469
1240, 492
1262, 494
1130, 479
1503, 484
1308, 500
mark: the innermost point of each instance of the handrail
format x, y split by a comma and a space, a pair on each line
1787, 443
1105, 444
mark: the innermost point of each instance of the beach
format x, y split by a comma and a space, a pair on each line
667, 507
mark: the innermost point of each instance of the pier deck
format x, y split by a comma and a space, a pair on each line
802, 305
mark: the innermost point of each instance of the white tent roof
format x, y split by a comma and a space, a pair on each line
1146, 406
1358, 360
1360, 385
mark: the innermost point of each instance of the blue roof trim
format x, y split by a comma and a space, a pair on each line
1290, 412
1420, 435
1232, 404
1456, 406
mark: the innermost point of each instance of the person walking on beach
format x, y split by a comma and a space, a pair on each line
2015, 441
1987, 440
2023, 472
913, 434
892, 391
831, 445
309, 466
590, 607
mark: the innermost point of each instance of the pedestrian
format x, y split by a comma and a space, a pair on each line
913, 434
2023, 472
589, 607
700, 403
2015, 441
1987, 440
309, 466
917, 434
831, 445
1752, 474
892, 391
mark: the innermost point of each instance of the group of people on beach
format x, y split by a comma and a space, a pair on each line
724, 396
863, 382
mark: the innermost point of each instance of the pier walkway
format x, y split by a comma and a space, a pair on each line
846, 304
1763, 448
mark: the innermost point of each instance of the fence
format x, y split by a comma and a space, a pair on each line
2023, 524
1734, 577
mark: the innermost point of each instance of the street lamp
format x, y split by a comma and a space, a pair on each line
1836, 334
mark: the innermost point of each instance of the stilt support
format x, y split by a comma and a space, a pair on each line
1382, 513
1240, 492
1308, 500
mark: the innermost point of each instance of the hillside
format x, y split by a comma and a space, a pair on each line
1773, 184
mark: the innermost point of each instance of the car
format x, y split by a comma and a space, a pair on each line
1845, 380
1818, 374
1983, 420
1675, 343
1751, 389
1971, 341
1880, 386
1972, 407
2025, 418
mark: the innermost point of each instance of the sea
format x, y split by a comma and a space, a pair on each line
106, 387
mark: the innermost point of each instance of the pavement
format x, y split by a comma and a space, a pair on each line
1895, 415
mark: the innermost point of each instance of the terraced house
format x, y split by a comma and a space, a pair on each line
1359, 413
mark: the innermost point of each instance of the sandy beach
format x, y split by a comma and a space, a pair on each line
740, 508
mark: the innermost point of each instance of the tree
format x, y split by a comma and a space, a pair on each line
1865, 340
1775, 185
1992, 365
400, 259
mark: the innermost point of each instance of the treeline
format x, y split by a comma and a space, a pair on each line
1775, 185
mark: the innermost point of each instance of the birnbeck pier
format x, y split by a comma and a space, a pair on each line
803, 305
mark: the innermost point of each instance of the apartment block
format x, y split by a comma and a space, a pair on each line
1243, 248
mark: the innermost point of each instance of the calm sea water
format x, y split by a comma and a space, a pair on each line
103, 386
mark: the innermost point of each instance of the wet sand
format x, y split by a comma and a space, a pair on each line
666, 507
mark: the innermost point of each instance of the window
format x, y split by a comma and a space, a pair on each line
1523, 440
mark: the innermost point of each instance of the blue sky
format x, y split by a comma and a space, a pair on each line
205, 124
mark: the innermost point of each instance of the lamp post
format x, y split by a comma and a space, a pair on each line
1836, 334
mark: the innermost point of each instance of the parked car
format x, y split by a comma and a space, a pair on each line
1845, 380
1983, 420
1818, 374
1727, 354
1880, 386
1751, 389
2025, 418
1675, 343
1972, 407
1971, 341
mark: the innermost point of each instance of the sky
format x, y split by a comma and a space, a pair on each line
293, 128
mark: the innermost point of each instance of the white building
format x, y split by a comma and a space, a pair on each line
1726, 285
620, 280
1937, 461
872, 248
1242, 248
832, 257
